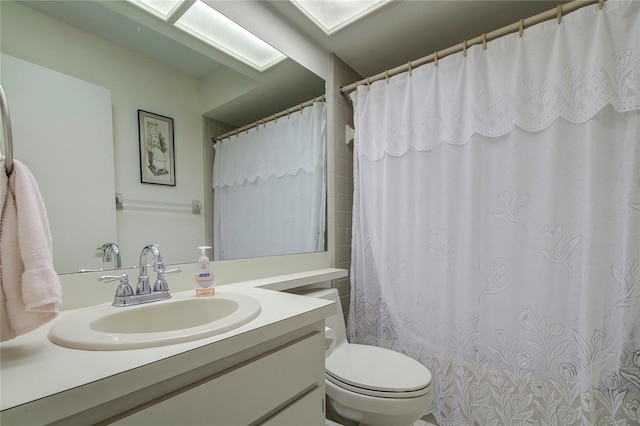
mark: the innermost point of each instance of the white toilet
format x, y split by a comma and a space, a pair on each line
367, 384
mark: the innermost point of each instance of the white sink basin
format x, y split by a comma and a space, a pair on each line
177, 320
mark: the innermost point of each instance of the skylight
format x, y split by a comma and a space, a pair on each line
215, 29
161, 8
333, 15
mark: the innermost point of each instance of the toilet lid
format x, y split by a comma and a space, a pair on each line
370, 368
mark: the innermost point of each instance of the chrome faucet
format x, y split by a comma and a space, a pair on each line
125, 295
158, 265
111, 251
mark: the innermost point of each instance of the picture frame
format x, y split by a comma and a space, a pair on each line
157, 155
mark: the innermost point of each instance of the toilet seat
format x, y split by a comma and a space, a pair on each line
377, 393
379, 372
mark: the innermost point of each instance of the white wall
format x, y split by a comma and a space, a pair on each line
136, 82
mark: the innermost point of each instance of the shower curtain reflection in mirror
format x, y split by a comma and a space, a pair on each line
269, 188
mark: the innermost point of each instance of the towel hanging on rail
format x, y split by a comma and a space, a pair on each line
30, 287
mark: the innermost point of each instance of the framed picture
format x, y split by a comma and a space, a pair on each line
157, 157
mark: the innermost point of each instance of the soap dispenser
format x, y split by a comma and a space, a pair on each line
205, 283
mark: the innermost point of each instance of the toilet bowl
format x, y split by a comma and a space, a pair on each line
367, 384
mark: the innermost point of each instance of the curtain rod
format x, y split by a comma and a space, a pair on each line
556, 13
270, 118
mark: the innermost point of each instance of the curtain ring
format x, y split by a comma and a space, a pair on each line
386, 74
464, 48
410, 70
600, 4
559, 13
368, 84
484, 41
435, 58
288, 114
521, 27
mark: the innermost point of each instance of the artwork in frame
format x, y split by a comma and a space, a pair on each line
157, 157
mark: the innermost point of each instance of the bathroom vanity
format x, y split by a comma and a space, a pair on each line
269, 371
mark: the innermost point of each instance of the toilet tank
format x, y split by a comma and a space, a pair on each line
335, 321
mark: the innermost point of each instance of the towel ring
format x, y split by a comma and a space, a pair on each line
6, 130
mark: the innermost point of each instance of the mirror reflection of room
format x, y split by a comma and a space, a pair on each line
269, 185
85, 152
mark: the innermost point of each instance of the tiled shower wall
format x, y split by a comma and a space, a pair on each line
340, 173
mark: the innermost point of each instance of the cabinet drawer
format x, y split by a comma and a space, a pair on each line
244, 394
307, 411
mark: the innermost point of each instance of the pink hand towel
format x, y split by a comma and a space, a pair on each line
31, 292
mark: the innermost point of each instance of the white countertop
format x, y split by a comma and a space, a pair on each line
33, 368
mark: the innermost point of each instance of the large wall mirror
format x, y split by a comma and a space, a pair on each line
96, 63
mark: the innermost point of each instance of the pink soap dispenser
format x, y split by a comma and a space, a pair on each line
205, 283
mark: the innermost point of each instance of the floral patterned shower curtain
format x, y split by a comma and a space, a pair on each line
497, 223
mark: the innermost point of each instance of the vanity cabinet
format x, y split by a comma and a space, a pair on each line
284, 386
279, 381
267, 372
304, 411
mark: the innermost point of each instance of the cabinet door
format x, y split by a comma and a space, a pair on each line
245, 394
307, 411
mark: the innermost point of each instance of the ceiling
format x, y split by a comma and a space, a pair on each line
400, 31
127, 25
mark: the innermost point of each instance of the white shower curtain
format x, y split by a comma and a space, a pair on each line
496, 233
269, 188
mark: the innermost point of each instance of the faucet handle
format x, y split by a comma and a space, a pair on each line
161, 284
124, 288
110, 278
143, 286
